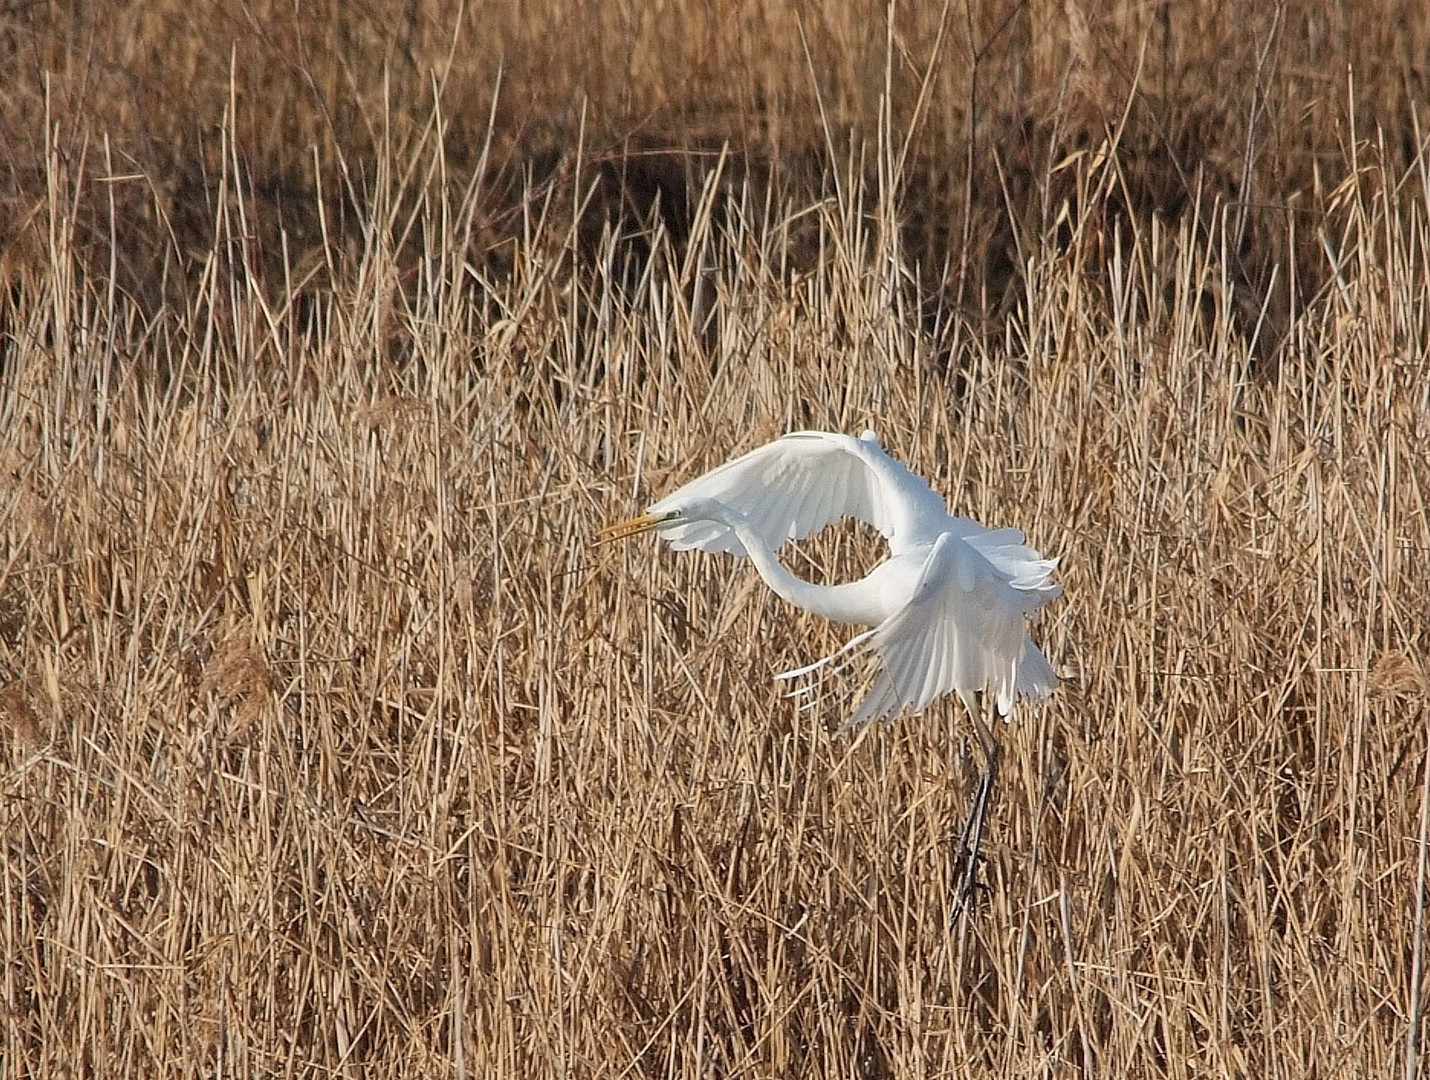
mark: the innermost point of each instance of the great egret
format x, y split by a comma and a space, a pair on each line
947, 609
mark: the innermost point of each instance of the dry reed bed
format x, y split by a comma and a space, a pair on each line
1209, 100
330, 745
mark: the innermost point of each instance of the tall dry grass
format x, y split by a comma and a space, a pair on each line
1210, 100
330, 746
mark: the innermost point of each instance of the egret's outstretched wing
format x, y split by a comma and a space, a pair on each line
797, 485
963, 629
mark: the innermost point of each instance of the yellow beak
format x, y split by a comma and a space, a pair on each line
624, 530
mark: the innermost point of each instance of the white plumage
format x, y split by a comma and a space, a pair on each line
947, 608
947, 611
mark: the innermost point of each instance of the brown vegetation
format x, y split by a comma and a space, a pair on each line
327, 743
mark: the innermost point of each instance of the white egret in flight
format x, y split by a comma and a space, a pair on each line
946, 611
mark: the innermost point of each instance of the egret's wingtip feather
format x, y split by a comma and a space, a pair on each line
800, 672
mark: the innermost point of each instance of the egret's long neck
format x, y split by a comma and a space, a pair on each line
829, 601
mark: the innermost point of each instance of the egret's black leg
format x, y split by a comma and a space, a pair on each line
972, 838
